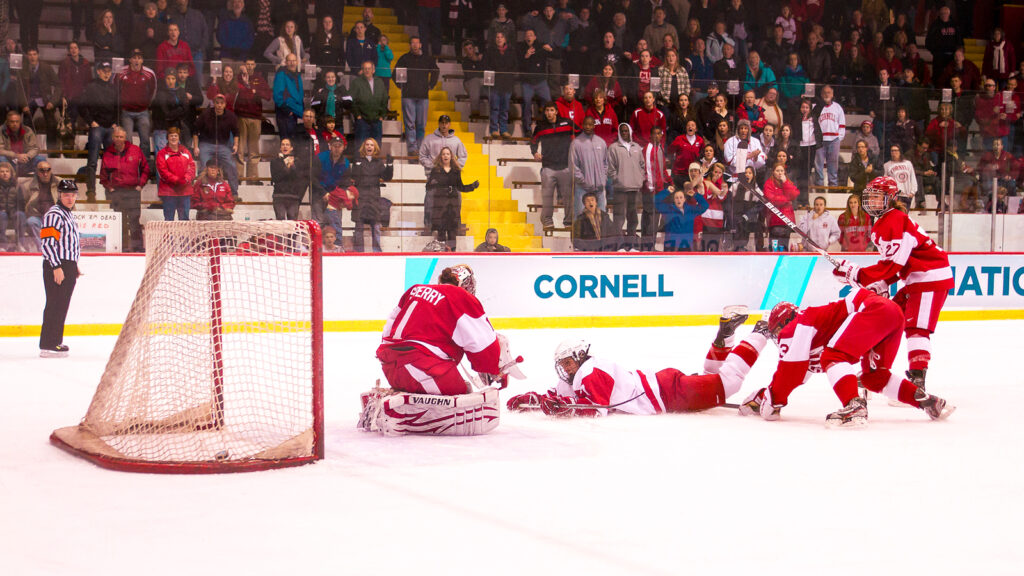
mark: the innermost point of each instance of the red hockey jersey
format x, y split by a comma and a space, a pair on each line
906, 252
447, 321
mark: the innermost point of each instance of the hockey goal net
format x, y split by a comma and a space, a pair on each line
219, 364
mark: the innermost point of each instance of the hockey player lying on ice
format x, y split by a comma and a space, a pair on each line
424, 340
863, 328
590, 386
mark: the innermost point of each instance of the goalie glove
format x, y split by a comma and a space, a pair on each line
846, 272
499, 380
567, 406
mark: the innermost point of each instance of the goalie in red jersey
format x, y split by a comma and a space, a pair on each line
860, 333
590, 386
907, 254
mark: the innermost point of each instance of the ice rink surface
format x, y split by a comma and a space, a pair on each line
708, 493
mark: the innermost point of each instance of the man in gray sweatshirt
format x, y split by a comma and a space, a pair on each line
627, 172
588, 155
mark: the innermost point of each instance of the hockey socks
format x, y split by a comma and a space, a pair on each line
739, 361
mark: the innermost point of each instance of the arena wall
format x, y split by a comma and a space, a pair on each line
533, 290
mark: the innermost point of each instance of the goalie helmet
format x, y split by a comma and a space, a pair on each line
466, 279
574, 349
878, 195
781, 315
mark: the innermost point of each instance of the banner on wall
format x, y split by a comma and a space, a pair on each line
100, 231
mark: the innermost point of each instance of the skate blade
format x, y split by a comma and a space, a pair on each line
52, 354
946, 411
851, 424
735, 310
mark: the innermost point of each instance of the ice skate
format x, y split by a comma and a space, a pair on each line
732, 318
853, 415
58, 351
936, 408
916, 378
760, 403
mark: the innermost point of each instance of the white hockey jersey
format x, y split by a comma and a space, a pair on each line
832, 120
606, 383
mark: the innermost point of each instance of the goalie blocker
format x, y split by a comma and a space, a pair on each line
396, 413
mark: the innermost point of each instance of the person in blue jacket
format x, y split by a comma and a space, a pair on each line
680, 208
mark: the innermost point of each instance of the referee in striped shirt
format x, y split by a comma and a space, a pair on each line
61, 248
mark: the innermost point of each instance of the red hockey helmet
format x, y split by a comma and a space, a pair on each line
782, 314
878, 195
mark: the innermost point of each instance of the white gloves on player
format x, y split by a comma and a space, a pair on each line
846, 272
879, 287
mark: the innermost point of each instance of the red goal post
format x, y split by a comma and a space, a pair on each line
219, 364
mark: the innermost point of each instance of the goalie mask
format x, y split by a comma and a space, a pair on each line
460, 275
569, 355
878, 195
781, 315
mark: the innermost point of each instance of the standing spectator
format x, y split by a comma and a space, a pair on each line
569, 107
757, 77
384, 57
656, 178
38, 193
211, 195
645, 118
137, 87
148, 31
831, 120
532, 68
679, 113
944, 131
490, 243
12, 208
727, 68
107, 41
914, 97
780, 191
502, 59
1000, 60
554, 135
169, 109
820, 226
656, 31
61, 248
123, 173
18, 146
752, 112
606, 123
866, 134
551, 29
98, 108
216, 138
369, 104
912, 59
685, 149
194, 96
863, 166
608, 53
359, 49
430, 25
444, 183
29, 12
290, 176
500, 23
741, 151
443, 137
334, 183
373, 33
588, 154
816, 58
902, 171
854, 227
81, 19
177, 172
990, 113
905, 132
235, 32
776, 49
288, 97
584, 38
716, 42
41, 89
288, 43
747, 212
680, 208
173, 51
593, 230
927, 172
942, 40
252, 91
675, 82
226, 85
472, 61
123, 17
712, 187
422, 75
193, 31
960, 66
329, 99
793, 79
627, 172
639, 79
327, 47
260, 13
367, 172
75, 73
997, 164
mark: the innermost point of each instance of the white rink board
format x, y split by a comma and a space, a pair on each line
366, 288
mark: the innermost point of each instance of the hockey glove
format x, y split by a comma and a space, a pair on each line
524, 402
761, 327
566, 406
879, 287
500, 380
846, 272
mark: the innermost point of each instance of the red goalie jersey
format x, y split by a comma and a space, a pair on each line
907, 252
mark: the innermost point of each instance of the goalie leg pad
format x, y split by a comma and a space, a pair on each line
461, 415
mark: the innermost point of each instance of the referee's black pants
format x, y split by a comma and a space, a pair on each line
58, 298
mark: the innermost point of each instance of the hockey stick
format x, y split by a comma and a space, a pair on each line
785, 219
478, 383
610, 406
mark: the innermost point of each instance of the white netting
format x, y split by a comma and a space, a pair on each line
215, 362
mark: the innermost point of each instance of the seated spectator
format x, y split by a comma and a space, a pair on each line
327, 47
593, 230
890, 62
905, 132
373, 33
39, 192
108, 43
708, 159
716, 42
863, 166
914, 96
211, 195
286, 44
854, 227
445, 185
19, 146
713, 120
901, 170
331, 242
757, 77
675, 82
912, 59
793, 79
679, 208
669, 43
177, 172
1000, 60
767, 138
328, 129
962, 67
656, 31
866, 134
173, 51
820, 225
998, 164
691, 32
1002, 203
12, 208
40, 91
367, 172
636, 56
780, 191
749, 110
490, 243
472, 60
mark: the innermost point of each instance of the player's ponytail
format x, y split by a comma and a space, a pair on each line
899, 205
448, 276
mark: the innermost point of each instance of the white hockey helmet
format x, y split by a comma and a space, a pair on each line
574, 349
460, 275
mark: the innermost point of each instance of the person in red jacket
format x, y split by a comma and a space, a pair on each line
646, 117
569, 107
780, 191
211, 195
172, 51
991, 114
606, 122
123, 173
177, 170
137, 87
685, 150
